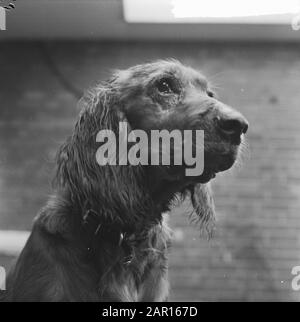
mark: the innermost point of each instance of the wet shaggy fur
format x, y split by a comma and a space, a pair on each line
102, 236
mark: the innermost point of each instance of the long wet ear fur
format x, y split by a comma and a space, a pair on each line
116, 192
203, 207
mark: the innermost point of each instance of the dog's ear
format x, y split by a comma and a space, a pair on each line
76, 156
204, 208
110, 189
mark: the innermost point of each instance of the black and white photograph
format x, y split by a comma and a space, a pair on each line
149, 152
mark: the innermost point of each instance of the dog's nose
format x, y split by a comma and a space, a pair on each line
233, 126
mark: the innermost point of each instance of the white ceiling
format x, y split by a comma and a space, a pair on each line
103, 19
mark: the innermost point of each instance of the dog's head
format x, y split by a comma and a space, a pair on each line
169, 96
164, 95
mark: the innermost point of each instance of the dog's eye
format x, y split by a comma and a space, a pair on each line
167, 86
210, 94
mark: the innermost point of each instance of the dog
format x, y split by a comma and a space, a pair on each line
103, 236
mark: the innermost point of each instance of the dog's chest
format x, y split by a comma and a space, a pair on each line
143, 280
145, 276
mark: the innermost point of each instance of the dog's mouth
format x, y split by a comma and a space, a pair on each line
206, 176
216, 164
